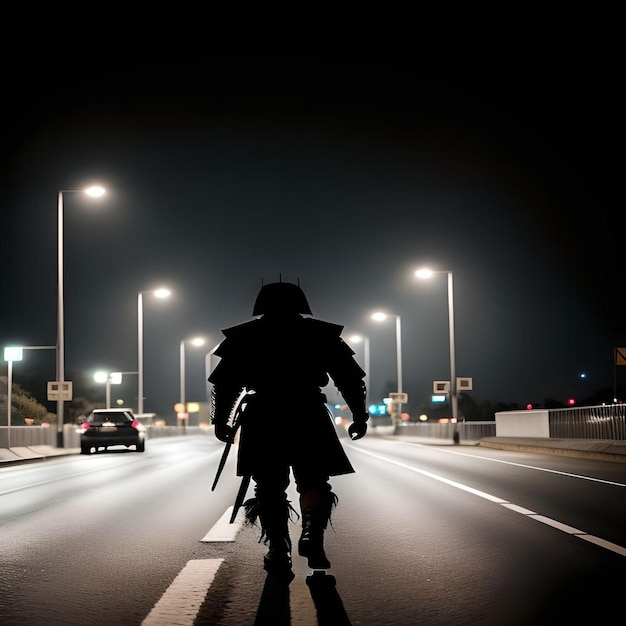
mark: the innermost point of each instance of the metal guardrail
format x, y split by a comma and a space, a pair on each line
21, 436
468, 431
24, 436
589, 422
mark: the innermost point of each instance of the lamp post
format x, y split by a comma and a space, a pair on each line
94, 192
366, 358
110, 378
381, 317
15, 354
425, 273
10, 354
196, 341
158, 293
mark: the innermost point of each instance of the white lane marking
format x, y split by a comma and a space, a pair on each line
534, 467
512, 507
180, 603
604, 544
223, 530
518, 509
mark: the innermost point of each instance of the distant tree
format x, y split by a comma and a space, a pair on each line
24, 405
551, 403
468, 408
79, 406
504, 406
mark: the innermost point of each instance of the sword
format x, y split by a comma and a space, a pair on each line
220, 467
241, 494
236, 423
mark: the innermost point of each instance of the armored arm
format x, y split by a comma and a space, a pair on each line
348, 377
353, 392
225, 391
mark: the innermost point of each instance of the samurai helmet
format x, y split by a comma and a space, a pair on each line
281, 298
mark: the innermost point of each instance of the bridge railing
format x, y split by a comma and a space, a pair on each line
467, 431
593, 422
25, 436
590, 422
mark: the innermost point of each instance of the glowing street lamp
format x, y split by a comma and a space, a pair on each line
158, 293
425, 274
95, 192
10, 354
381, 317
196, 341
366, 357
110, 378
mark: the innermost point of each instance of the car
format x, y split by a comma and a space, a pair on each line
104, 428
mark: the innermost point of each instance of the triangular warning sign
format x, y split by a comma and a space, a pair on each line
620, 356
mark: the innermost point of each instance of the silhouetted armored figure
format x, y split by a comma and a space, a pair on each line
283, 359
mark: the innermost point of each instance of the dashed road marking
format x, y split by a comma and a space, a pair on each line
180, 603
581, 534
532, 467
223, 530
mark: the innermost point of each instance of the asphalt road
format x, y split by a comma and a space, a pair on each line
423, 534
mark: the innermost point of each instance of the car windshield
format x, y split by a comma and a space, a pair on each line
116, 418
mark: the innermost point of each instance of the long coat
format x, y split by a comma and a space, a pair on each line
286, 361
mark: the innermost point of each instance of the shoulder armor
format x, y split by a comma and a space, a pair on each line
235, 336
324, 328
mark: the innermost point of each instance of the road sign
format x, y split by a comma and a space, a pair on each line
402, 398
60, 391
377, 409
441, 386
620, 356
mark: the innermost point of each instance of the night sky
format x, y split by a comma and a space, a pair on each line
344, 166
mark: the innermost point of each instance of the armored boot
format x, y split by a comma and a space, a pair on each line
273, 516
316, 507
278, 557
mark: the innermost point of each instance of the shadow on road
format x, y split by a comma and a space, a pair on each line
274, 608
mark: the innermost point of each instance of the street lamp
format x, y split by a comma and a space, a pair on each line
381, 317
366, 357
94, 192
196, 341
10, 354
110, 378
425, 274
14, 353
158, 293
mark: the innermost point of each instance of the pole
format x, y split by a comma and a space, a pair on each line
140, 352
9, 400
453, 394
399, 352
615, 375
366, 348
182, 373
60, 324
108, 391
399, 363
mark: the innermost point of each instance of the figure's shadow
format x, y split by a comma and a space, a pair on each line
274, 608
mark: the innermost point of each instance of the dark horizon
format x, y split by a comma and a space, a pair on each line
343, 167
